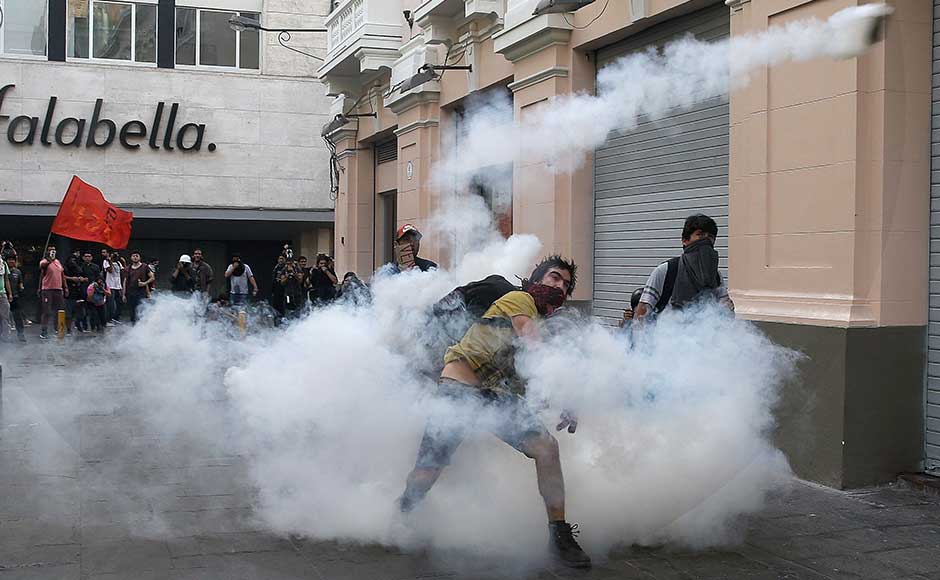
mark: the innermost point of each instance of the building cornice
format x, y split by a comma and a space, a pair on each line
347, 131
530, 37
542, 75
415, 126
414, 99
736, 5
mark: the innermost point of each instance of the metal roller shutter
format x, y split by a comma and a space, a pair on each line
932, 436
649, 179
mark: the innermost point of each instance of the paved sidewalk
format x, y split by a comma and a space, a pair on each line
64, 443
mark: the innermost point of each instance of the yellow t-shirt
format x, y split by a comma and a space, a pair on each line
488, 347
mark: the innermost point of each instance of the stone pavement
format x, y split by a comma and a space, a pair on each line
88, 490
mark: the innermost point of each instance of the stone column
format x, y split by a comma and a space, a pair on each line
354, 205
555, 207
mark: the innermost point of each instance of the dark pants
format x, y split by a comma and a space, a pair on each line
75, 312
16, 310
97, 315
52, 303
115, 303
133, 303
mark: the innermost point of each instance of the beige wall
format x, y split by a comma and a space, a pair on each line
828, 218
830, 178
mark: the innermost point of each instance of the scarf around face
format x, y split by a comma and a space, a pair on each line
698, 272
547, 298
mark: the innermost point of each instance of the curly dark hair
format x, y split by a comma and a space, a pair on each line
553, 261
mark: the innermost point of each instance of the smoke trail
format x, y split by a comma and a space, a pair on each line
650, 84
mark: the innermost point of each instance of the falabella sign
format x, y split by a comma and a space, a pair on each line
102, 132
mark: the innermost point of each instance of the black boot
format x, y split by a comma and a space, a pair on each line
565, 547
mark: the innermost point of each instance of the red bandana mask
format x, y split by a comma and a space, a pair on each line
547, 298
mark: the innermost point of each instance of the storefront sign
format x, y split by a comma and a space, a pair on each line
101, 132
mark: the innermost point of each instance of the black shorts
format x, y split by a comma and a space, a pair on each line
507, 417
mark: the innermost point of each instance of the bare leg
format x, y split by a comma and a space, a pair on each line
548, 472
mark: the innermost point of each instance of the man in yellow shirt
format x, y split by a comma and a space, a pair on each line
479, 371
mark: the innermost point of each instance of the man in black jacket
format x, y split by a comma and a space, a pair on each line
407, 246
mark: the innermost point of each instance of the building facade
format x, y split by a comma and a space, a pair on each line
818, 174
209, 135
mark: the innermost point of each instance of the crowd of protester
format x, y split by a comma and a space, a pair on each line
97, 292
103, 291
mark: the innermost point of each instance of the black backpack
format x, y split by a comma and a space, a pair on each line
455, 313
668, 285
475, 297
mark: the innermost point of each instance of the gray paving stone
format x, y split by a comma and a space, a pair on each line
833, 544
715, 564
28, 532
40, 556
855, 566
912, 560
803, 524
125, 557
63, 572
227, 544
657, 568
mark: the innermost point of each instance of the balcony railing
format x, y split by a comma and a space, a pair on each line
362, 35
344, 21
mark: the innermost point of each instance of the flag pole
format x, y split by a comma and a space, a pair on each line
45, 248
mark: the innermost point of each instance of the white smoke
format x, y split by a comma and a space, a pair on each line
672, 444
650, 84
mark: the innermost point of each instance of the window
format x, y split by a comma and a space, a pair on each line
204, 38
119, 30
24, 27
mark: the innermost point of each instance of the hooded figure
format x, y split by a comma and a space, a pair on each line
697, 274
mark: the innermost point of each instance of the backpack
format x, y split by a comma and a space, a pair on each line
668, 285
475, 297
454, 314
98, 296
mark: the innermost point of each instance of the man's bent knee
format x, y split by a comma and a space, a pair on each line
542, 448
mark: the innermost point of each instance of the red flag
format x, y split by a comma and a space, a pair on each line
86, 215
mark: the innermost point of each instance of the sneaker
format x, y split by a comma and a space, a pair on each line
43, 336
110, 324
565, 547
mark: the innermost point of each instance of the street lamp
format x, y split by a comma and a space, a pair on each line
340, 120
559, 6
241, 23
428, 73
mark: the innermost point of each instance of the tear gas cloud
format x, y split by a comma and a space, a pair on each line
647, 85
673, 444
